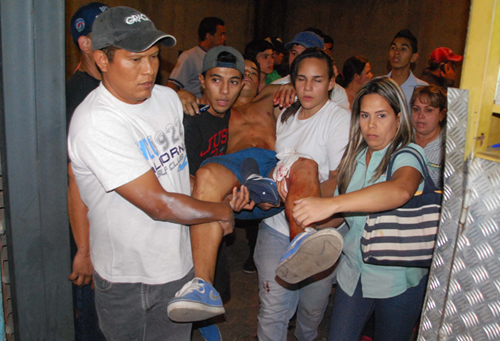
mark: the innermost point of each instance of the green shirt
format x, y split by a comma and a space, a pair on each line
377, 281
272, 77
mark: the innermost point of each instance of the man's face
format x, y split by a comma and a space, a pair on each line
278, 57
251, 81
221, 87
219, 38
294, 52
130, 76
266, 61
401, 54
329, 49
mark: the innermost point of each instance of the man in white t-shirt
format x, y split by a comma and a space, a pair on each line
126, 144
184, 76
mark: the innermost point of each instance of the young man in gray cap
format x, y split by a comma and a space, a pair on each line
126, 144
221, 79
206, 135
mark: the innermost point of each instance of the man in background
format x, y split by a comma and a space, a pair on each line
184, 76
85, 79
402, 54
442, 65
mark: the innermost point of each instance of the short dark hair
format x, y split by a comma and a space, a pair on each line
225, 57
406, 33
328, 39
255, 47
209, 25
110, 52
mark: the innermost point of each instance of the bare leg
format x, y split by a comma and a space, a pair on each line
198, 300
302, 182
213, 183
313, 251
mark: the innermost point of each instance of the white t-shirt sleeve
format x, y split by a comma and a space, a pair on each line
338, 137
339, 97
182, 71
109, 150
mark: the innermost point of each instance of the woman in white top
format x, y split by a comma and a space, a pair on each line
318, 128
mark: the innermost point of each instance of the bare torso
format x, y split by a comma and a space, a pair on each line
253, 125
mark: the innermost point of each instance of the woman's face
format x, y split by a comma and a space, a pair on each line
378, 121
366, 74
312, 84
425, 118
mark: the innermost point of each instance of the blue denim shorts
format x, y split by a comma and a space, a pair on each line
265, 158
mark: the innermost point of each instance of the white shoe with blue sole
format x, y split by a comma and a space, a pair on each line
196, 301
310, 253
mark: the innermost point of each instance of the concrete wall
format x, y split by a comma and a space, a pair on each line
366, 27
179, 18
363, 27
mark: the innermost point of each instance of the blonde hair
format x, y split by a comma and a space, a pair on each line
393, 94
432, 95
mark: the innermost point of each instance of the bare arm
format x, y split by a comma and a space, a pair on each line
82, 265
378, 197
173, 86
189, 102
327, 187
148, 195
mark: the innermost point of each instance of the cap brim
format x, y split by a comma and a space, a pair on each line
144, 39
289, 45
456, 58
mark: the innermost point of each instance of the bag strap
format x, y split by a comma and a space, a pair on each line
429, 185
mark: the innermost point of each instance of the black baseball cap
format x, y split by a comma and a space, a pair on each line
128, 29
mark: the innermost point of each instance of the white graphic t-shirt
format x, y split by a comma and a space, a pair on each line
110, 144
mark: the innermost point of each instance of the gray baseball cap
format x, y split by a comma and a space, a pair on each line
128, 29
210, 60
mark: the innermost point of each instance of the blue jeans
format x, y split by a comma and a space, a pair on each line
137, 311
395, 317
279, 300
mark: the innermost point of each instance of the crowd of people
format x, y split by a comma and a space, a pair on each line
157, 175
